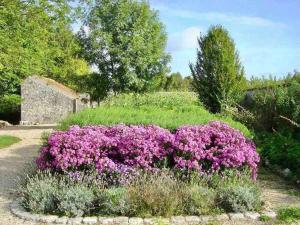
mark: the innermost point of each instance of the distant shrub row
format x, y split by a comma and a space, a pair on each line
168, 100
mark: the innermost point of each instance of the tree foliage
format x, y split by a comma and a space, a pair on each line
218, 74
36, 39
125, 40
175, 82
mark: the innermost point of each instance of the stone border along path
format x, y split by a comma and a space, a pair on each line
13, 160
20, 212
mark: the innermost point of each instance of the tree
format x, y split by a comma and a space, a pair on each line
125, 40
174, 82
218, 74
36, 39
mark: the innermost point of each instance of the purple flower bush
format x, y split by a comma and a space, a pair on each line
212, 147
123, 149
114, 149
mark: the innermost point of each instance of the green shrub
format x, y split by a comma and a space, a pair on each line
112, 201
46, 193
264, 218
10, 108
280, 150
39, 193
75, 200
289, 215
238, 198
199, 200
276, 108
155, 195
149, 194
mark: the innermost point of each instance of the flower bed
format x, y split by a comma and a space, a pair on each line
207, 148
133, 170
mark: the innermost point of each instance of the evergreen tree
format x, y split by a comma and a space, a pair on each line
218, 76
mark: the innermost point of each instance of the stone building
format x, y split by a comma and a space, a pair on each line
45, 101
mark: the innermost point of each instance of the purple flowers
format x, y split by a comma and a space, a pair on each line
122, 148
212, 147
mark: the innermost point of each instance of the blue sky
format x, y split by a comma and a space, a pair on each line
266, 32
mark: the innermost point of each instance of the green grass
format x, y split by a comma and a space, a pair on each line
264, 218
167, 100
289, 214
168, 110
6, 140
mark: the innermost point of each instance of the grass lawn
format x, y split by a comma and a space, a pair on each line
6, 140
167, 110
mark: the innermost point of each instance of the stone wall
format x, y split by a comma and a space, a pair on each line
44, 104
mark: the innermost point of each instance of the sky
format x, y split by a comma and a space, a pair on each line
266, 32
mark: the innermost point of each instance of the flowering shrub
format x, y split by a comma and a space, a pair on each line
124, 148
118, 148
213, 147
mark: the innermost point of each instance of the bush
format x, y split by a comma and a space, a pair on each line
276, 108
280, 150
75, 200
238, 198
157, 194
113, 201
161, 193
122, 149
10, 108
39, 193
47, 194
199, 200
213, 147
289, 215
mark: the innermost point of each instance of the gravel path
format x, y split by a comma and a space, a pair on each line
13, 162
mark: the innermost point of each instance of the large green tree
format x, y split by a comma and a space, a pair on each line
126, 41
218, 76
36, 39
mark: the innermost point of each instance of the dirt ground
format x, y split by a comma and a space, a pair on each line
14, 160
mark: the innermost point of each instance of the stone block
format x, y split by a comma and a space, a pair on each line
136, 221
61, 220
236, 216
48, 219
122, 220
192, 220
76, 220
90, 220
106, 221
252, 215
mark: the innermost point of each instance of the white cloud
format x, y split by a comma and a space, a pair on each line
186, 39
218, 17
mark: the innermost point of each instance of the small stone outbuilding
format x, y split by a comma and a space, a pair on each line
45, 101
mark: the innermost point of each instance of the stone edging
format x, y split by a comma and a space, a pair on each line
20, 212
